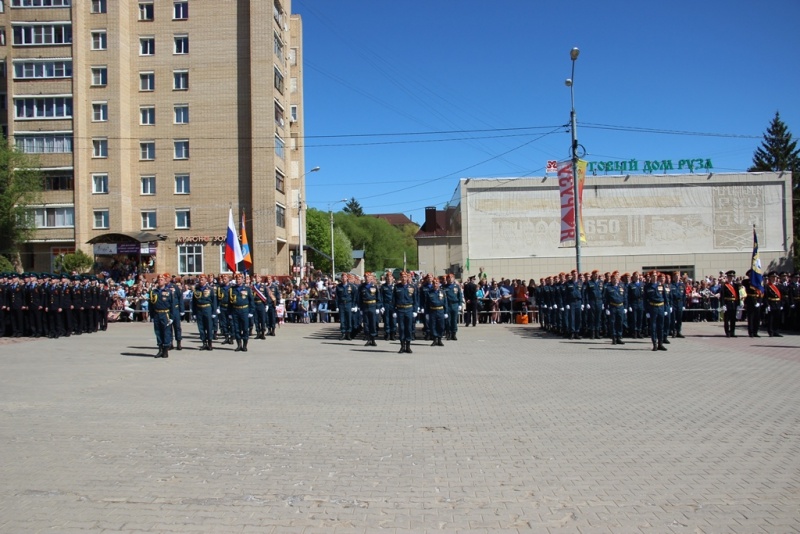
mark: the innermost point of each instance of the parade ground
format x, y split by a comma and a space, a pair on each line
507, 429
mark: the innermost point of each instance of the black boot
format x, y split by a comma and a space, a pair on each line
204, 346
613, 341
402, 347
160, 352
209, 346
661, 346
454, 338
244, 345
619, 341
439, 342
178, 345
391, 337
238, 346
408, 347
369, 342
655, 347
165, 354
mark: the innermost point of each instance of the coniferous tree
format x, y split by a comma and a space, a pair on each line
353, 207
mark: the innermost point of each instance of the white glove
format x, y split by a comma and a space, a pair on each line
394, 315
767, 312
414, 315
230, 317
250, 315
169, 323
217, 311
588, 306
213, 316
377, 312
666, 313
445, 316
648, 315
567, 306
630, 309
608, 312
583, 307
758, 304
383, 310
792, 306
355, 309
459, 307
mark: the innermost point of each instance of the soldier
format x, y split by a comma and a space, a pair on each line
345, 299
794, 291
593, 304
273, 294
386, 291
772, 302
260, 316
225, 326
615, 299
730, 301
204, 307
370, 304
678, 291
472, 303
573, 299
405, 300
161, 305
752, 305
240, 311
453, 306
16, 305
174, 286
656, 296
436, 301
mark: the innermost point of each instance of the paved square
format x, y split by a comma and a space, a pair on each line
504, 429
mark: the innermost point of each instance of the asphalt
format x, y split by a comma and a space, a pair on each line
505, 430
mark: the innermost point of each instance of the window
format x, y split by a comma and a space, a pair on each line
62, 182
293, 113
277, 47
148, 185
147, 81
32, 69
278, 114
41, 3
181, 10
42, 34
182, 184
100, 184
99, 148
100, 219
54, 217
182, 149
181, 44
147, 150
278, 80
99, 6
99, 76
280, 180
148, 219
190, 259
280, 216
277, 12
43, 108
183, 219
279, 146
99, 111
180, 80
147, 46
99, 40
181, 113
293, 56
44, 143
146, 11
147, 115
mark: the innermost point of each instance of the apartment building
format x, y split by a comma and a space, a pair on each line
151, 119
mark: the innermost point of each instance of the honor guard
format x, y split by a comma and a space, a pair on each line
240, 311
204, 308
730, 302
405, 301
454, 302
655, 298
161, 305
436, 301
615, 299
386, 291
772, 303
370, 304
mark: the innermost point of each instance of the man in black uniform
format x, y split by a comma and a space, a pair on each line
772, 302
730, 300
472, 303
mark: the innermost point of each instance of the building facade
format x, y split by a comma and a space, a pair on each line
695, 223
157, 117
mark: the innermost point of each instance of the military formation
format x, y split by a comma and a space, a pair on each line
52, 305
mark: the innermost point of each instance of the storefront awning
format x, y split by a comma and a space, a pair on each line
131, 237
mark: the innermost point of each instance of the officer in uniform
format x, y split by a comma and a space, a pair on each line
260, 299
273, 294
455, 299
370, 304
615, 300
472, 303
386, 291
752, 305
204, 308
345, 298
176, 314
16, 305
730, 301
794, 306
405, 300
593, 303
161, 305
772, 302
240, 311
223, 301
573, 299
678, 291
436, 301
656, 296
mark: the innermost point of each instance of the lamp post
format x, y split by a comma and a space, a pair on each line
302, 224
333, 257
573, 54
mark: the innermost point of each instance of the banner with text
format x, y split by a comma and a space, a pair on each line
567, 192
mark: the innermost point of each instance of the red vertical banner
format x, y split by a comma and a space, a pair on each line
567, 195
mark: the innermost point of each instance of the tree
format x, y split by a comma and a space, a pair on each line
384, 245
779, 153
318, 235
79, 262
20, 186
353, 208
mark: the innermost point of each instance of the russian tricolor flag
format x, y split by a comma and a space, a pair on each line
233, 251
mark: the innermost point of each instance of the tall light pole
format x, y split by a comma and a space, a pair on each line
302, 223
333, 256
573, 119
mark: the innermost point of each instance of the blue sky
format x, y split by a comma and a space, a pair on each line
403, 98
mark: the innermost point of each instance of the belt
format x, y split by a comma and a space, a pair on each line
203, 305
161, 311
241, 307
616, 304
404, 306
731, 300
656, 304
775, 300
370, 301
437, 307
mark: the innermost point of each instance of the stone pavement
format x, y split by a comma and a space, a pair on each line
503, 430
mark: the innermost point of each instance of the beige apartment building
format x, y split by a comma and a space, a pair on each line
151, 119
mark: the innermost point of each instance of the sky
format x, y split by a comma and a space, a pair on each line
405, 97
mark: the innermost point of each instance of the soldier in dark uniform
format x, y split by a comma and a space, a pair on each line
16, 305
772, 302
615, 299
260, 315
436, 301
472, 303
273, 294
345, 298
177, 312
3, 302
386, 291
225, 325
406, 301
752, 305
204, 308
729, 291
104, 305
161, 305
794, 292
678, 291
36, 305
656, 296
593, 304
240, 311
453, 306
573, 299
370, 304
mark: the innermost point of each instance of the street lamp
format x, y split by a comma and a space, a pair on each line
302, 224
573, 54
333, 257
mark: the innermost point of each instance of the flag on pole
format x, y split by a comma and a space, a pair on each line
756, 274
233, 252
246, 258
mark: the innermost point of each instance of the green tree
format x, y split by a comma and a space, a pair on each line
79, 261
779, 153
318, 232
384, 245
5, 265
353, 208
20, 186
